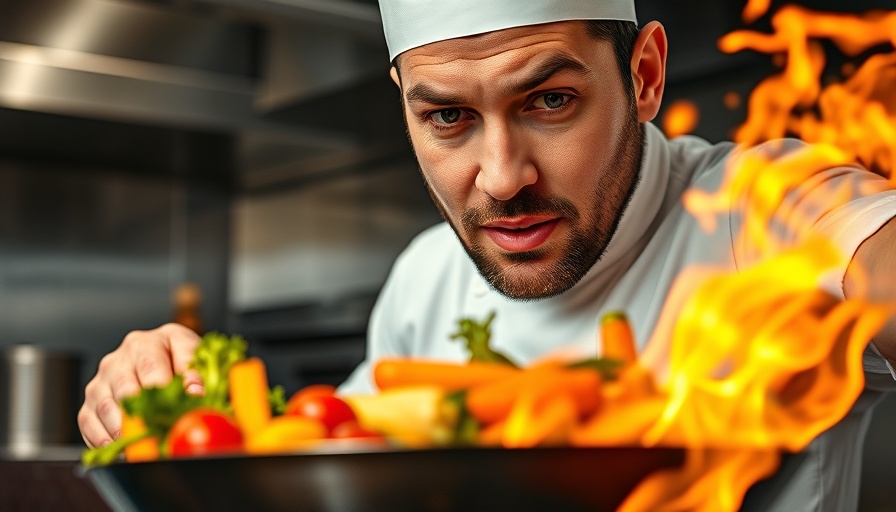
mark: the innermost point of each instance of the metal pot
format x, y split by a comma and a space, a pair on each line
39, 392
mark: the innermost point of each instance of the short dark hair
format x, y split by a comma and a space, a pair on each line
622, 34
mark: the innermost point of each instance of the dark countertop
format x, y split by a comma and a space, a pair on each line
46, 479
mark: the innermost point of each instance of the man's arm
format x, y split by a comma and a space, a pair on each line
877, 256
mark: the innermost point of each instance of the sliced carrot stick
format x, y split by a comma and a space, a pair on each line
392, 373
491, 435
602, 429
617, 337
634, 383
535, 421
249, 395
139, 451
492, 402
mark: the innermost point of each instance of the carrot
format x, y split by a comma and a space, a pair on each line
143, 450
491, 435
392, 373
638, 416
492, 402
534, 421
249, 395
634, 383
618, 339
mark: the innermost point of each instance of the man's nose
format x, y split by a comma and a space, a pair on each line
504, 166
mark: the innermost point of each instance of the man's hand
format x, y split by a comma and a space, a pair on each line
144, 358
877, 258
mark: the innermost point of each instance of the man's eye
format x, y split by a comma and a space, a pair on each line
550, 100
446, 116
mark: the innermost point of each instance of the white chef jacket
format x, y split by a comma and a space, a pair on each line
434, 283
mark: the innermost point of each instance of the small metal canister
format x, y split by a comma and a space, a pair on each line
39, 392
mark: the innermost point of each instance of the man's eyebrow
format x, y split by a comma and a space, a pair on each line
554, 64
425, 93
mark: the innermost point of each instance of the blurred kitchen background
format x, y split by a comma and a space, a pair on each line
256, 149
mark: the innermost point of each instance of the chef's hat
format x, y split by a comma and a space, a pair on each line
412, 23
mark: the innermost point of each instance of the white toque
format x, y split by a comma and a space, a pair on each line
412, 23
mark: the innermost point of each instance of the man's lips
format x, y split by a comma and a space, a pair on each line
521, 234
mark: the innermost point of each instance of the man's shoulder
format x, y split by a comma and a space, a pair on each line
693, 159
696, 157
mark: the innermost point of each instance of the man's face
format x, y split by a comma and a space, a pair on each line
530, 146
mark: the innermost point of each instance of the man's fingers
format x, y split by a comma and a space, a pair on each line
144, 359
109, 414
100, 417
151, 360
92, 430
181, 343
193, 383
124, 385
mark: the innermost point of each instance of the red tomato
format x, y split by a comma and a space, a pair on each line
204, 432
314, 389
353, 429
328, 409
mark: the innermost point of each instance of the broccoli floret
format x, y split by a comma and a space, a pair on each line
214, 356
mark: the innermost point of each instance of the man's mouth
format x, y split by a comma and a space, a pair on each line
521, 234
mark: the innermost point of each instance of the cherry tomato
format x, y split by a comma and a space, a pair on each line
328, 409
204, 432
353, 429
314, 389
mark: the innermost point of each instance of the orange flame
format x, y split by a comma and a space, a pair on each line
760, 361
724, 477
680, 118
755, 9
765, 181
731, 100
857, 115
746, 345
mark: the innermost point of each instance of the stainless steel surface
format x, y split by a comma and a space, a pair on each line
354, 17
93, 248
233, 66
38, 389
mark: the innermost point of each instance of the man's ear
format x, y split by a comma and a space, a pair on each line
649, 69
394, 74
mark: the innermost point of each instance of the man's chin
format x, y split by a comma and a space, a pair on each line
526, 278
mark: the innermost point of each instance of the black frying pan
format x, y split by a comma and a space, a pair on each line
456, 479
438, 480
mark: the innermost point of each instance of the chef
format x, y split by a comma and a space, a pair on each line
531, 124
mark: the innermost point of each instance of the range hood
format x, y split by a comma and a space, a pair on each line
300, 86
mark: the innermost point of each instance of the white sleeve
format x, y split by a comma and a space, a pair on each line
852, 223
847, 227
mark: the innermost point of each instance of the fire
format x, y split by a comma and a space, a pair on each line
857, 115
753, 363
731, 100
759, 361
755, 9
680, 118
